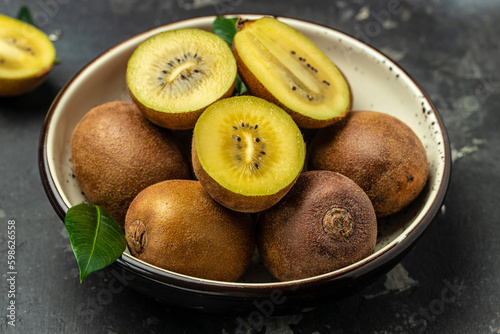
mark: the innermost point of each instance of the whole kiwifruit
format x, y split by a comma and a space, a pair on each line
377, 151
247, 152
174, 75
324, 223
177, 226
116, 152
278, 63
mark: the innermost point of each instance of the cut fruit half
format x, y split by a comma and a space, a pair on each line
26, 56
247, 153
174, 75
281, 65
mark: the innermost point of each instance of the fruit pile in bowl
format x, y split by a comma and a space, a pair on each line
289, 158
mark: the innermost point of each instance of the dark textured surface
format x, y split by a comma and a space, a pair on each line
448, 283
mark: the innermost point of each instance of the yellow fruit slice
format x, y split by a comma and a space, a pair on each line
281, 65
247, 152
174, 75
26, 56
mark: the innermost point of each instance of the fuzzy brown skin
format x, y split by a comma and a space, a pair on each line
16, 87
175, 225
378, 152
256, 88
176, 121
116, 152
230, 199
295, 239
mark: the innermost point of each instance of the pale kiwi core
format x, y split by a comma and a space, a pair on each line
25, 51
249, 146
304, 79
181, 70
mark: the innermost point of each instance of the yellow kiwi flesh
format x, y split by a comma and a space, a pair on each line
26, 56
281, 65
247, 152
174, 75
176, 225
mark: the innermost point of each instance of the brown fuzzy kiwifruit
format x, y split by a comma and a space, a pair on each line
116, 152
324, 223
377, 151
177, 226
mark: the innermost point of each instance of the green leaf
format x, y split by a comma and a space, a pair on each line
239, 87
225, 28
96, 238
24, 14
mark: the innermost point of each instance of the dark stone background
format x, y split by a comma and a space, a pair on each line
451, 47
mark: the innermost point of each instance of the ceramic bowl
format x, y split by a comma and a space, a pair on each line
377, 83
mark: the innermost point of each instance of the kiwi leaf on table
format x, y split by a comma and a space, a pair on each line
96, 238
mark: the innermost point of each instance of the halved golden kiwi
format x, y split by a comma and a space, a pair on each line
247, 152
174, 75
26, 56
279, 64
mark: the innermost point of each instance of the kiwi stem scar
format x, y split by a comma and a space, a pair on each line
338, 223
138, 235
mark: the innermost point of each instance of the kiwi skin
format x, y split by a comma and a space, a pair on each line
324, 223
175, 121
177, 226
116, 152
230, 199
16, 87
377, 151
